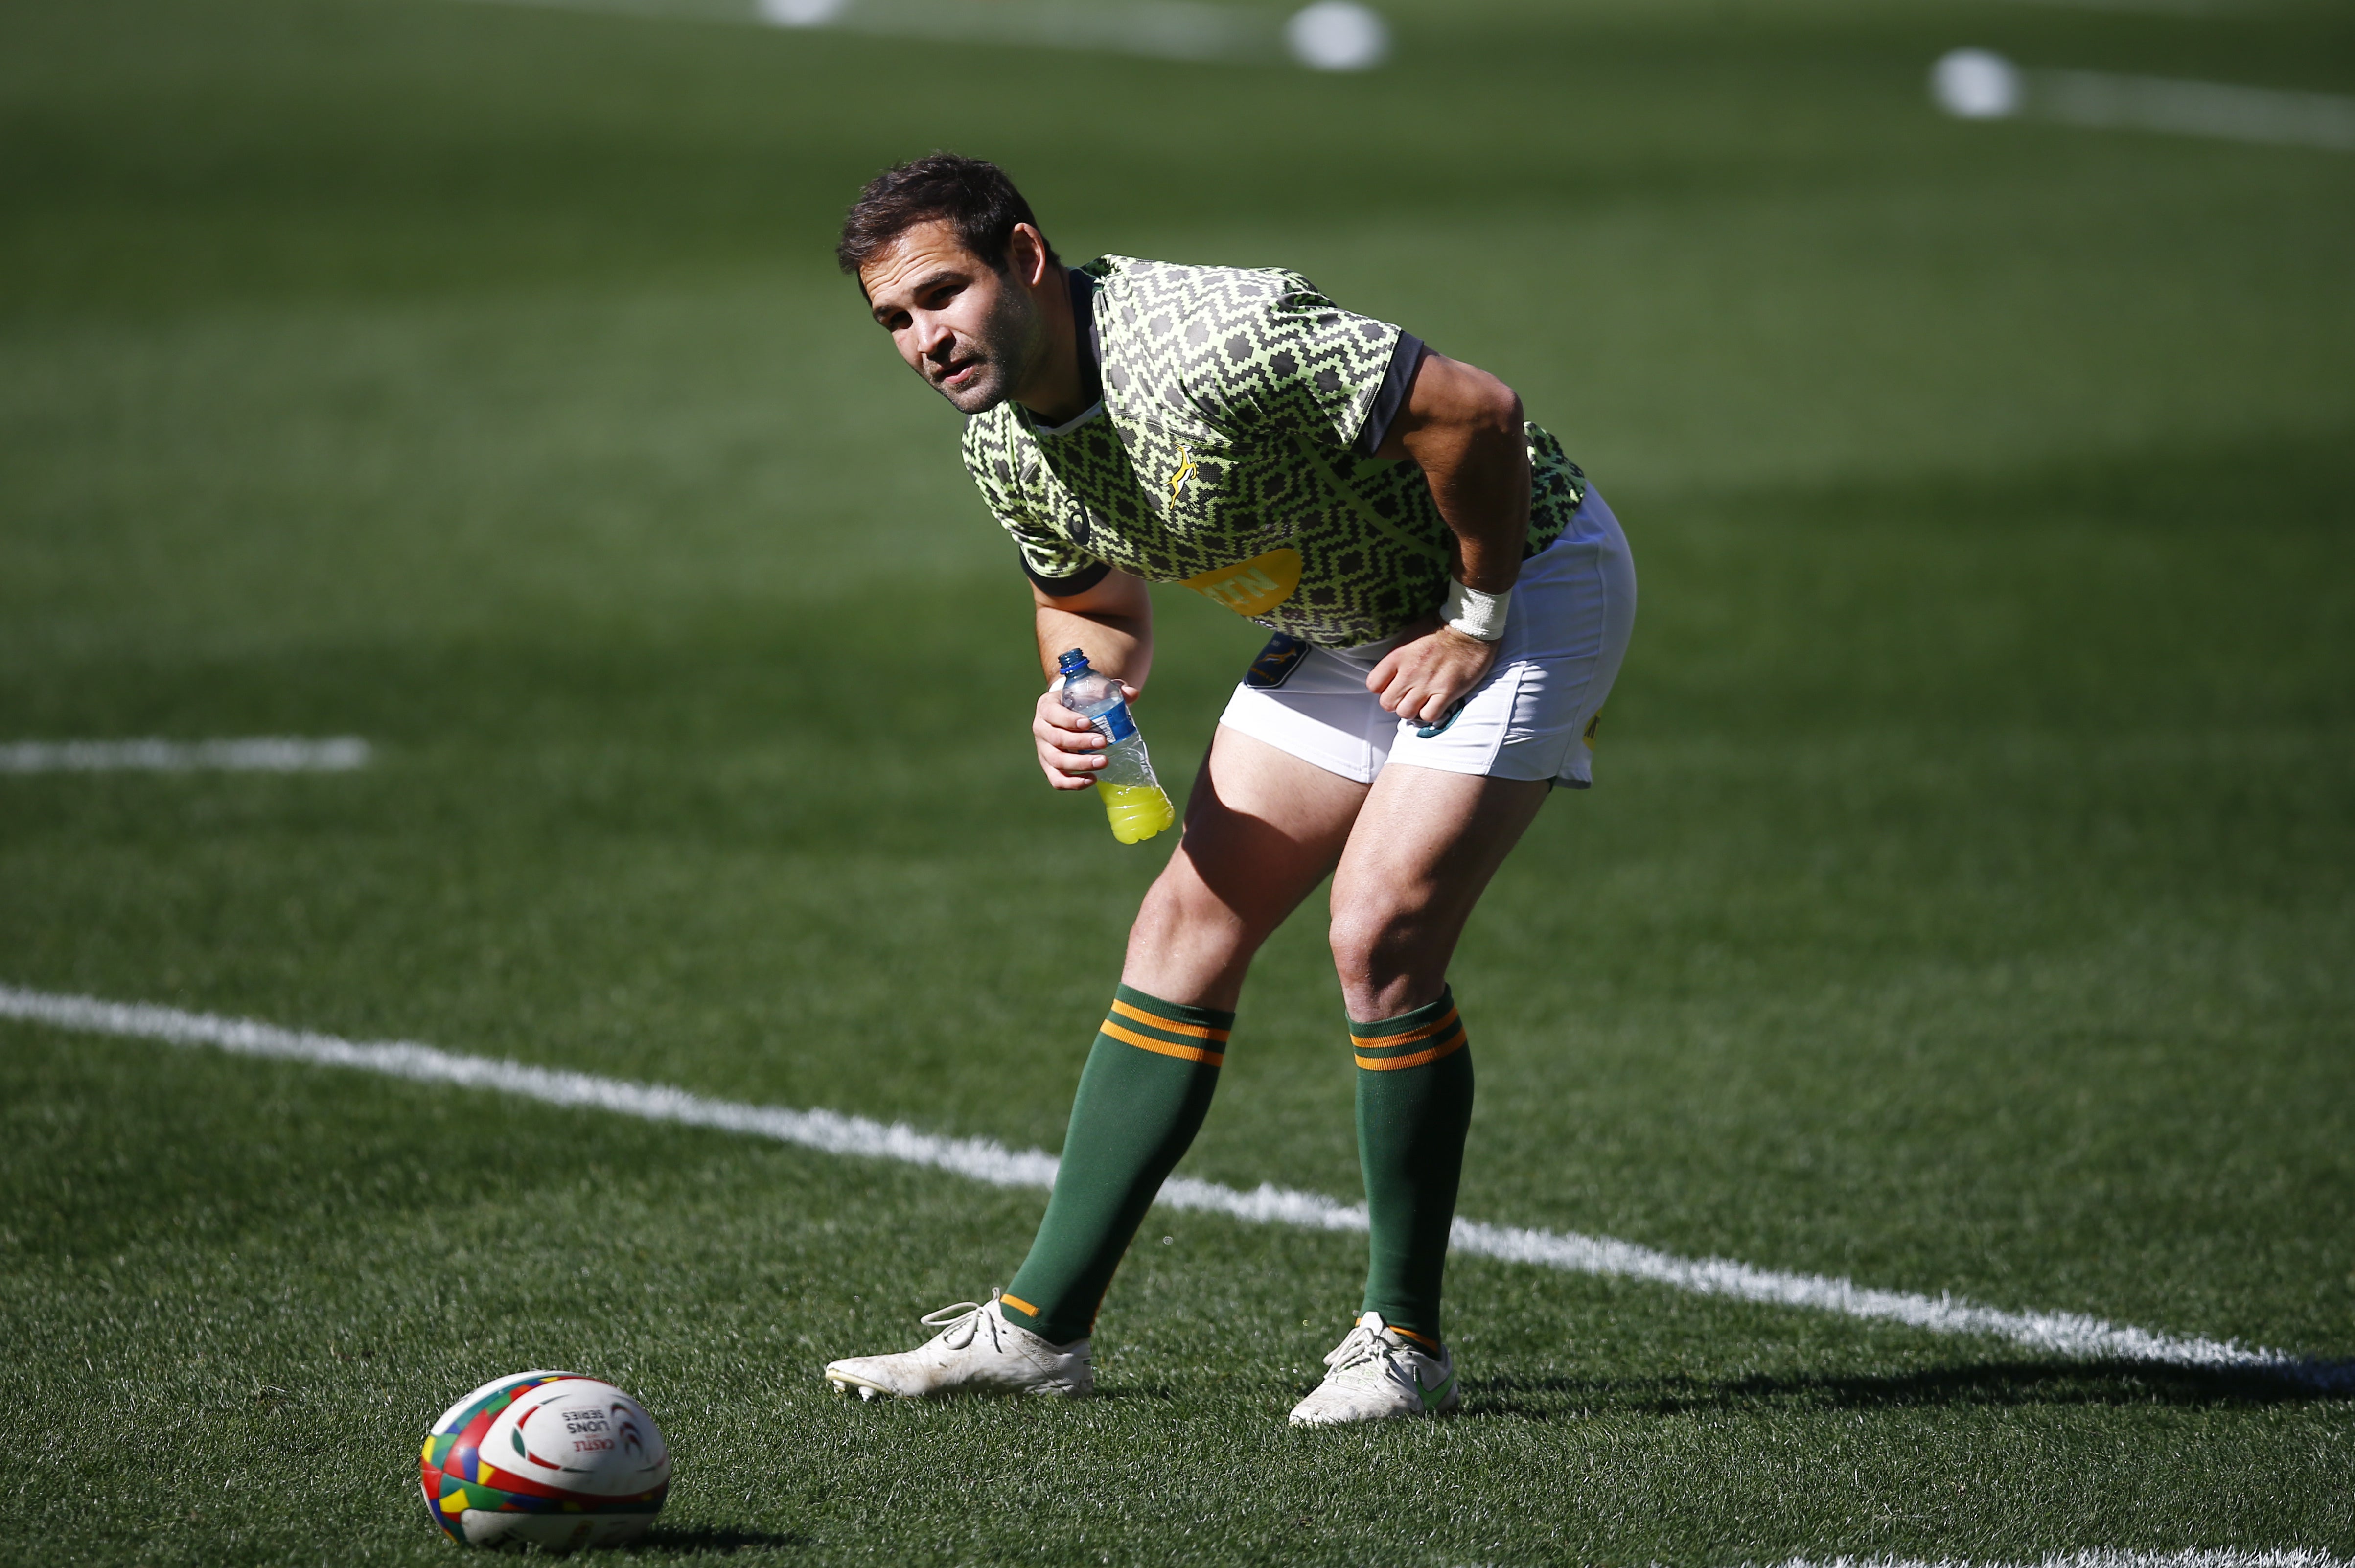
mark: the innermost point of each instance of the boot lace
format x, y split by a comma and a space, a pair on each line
963, 1323
1368, 1355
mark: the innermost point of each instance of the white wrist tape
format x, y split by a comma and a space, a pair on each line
1475, 614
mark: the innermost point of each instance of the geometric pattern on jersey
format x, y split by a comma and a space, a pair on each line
1223, 456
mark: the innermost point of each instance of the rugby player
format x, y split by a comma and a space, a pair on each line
1449, 601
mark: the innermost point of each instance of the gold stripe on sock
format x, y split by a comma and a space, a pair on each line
1439, 1026
1163, 1046
1200, 1031
1392, 1064
1418, 1339
1020, 1304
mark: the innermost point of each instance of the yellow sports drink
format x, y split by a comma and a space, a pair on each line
1137, 811
1134, 800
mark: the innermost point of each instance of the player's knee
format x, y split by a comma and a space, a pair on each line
1370, 946
1179, 908
1163, 912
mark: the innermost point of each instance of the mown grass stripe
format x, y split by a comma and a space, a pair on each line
2291, 1558
984, 1159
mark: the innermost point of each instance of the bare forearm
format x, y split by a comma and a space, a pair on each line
1482, 487
1120, 645
1112, 623
1462, 427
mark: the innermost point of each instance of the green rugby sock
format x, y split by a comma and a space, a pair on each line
1414, 1104
1142, 1098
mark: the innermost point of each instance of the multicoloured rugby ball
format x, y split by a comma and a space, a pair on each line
552, 1458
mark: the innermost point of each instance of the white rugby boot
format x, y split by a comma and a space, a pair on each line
1377, 1373
976, 1352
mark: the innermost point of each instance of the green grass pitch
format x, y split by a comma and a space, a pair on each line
1965, 904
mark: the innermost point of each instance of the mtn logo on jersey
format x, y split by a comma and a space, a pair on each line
1253, 587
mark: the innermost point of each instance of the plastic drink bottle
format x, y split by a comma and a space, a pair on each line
1134, 799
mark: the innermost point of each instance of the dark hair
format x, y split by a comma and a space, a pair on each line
974, 196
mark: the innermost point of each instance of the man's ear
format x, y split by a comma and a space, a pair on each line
1026, 254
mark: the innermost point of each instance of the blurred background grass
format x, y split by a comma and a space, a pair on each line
1964, 903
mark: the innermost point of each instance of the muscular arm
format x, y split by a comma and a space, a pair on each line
1112, 621
1463, 426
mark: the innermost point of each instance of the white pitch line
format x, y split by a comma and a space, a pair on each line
2267, 114
260, 754
1331, 35
1170, 29
1978, 84
2099, 1557
983, 1159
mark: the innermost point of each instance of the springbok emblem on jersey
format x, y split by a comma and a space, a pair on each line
1185, 471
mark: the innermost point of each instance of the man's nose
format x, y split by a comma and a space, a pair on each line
933, 335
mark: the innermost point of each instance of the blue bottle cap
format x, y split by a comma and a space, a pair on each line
1073, 663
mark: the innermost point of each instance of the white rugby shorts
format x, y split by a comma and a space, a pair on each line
1534, 716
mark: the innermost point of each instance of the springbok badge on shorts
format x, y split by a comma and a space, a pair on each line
1275, 662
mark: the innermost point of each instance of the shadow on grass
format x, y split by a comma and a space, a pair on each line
712, 1540
1985, 1383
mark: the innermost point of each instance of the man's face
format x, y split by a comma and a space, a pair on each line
973, 333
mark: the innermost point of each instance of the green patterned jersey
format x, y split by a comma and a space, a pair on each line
1232, 453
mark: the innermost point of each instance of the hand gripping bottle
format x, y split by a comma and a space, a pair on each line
1132, 797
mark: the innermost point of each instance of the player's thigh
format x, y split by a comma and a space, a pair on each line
1263, 828
1424, 847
